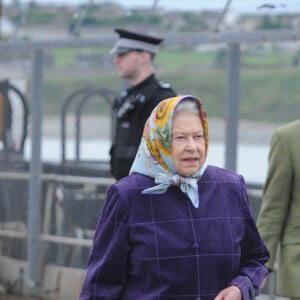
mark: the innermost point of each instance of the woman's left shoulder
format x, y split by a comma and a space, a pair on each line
221, 174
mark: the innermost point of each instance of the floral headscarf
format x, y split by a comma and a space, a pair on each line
154, 156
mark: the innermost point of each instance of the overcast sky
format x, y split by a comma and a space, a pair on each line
236, 5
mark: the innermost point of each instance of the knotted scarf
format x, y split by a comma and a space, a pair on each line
154, 155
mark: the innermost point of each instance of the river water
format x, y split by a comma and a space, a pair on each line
251, 159
254, 139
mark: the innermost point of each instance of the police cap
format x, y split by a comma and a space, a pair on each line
130, 41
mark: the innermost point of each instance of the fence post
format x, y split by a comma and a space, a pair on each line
34, 201
232, 106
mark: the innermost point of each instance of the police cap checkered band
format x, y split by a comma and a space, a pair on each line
129, 41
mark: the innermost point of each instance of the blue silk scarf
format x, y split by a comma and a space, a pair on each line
154, 156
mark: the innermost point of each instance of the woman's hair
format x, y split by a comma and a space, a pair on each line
187, 105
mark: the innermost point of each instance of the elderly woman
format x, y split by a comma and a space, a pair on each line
176, 228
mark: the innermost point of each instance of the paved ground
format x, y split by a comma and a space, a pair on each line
10, 297
268, 297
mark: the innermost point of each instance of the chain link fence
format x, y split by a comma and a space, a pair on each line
55, 129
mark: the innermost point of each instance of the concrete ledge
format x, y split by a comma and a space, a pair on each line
59, 283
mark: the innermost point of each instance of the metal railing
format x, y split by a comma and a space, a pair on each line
37, 49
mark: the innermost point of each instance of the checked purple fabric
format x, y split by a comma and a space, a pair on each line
160, 246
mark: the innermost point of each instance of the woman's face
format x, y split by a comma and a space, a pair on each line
188, 143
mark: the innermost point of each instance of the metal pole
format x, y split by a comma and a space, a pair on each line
224, 12
81, 16
34, 218
0, 19
232, 116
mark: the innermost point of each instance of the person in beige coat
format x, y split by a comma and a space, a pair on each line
279, 217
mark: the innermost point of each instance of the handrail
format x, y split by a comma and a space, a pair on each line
71, 241
52, 179
58, 178
81, 98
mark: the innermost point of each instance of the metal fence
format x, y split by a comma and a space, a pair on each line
54, 168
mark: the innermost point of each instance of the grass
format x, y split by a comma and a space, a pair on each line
67, 56
175, 59
270, 94
269, 84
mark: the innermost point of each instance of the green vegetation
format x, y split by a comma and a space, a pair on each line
272, 22
109, 14
272, 95
67, 57
174, 59
58, 88
269, 83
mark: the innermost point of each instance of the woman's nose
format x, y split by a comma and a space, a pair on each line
190, 143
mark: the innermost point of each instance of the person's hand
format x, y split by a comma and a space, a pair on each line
264, 282
230, 293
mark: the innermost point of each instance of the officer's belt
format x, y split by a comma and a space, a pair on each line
125, 151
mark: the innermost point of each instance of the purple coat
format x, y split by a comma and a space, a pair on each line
162, 247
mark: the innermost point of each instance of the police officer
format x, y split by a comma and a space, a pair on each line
133, 56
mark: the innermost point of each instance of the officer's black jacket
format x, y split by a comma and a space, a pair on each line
130, 113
